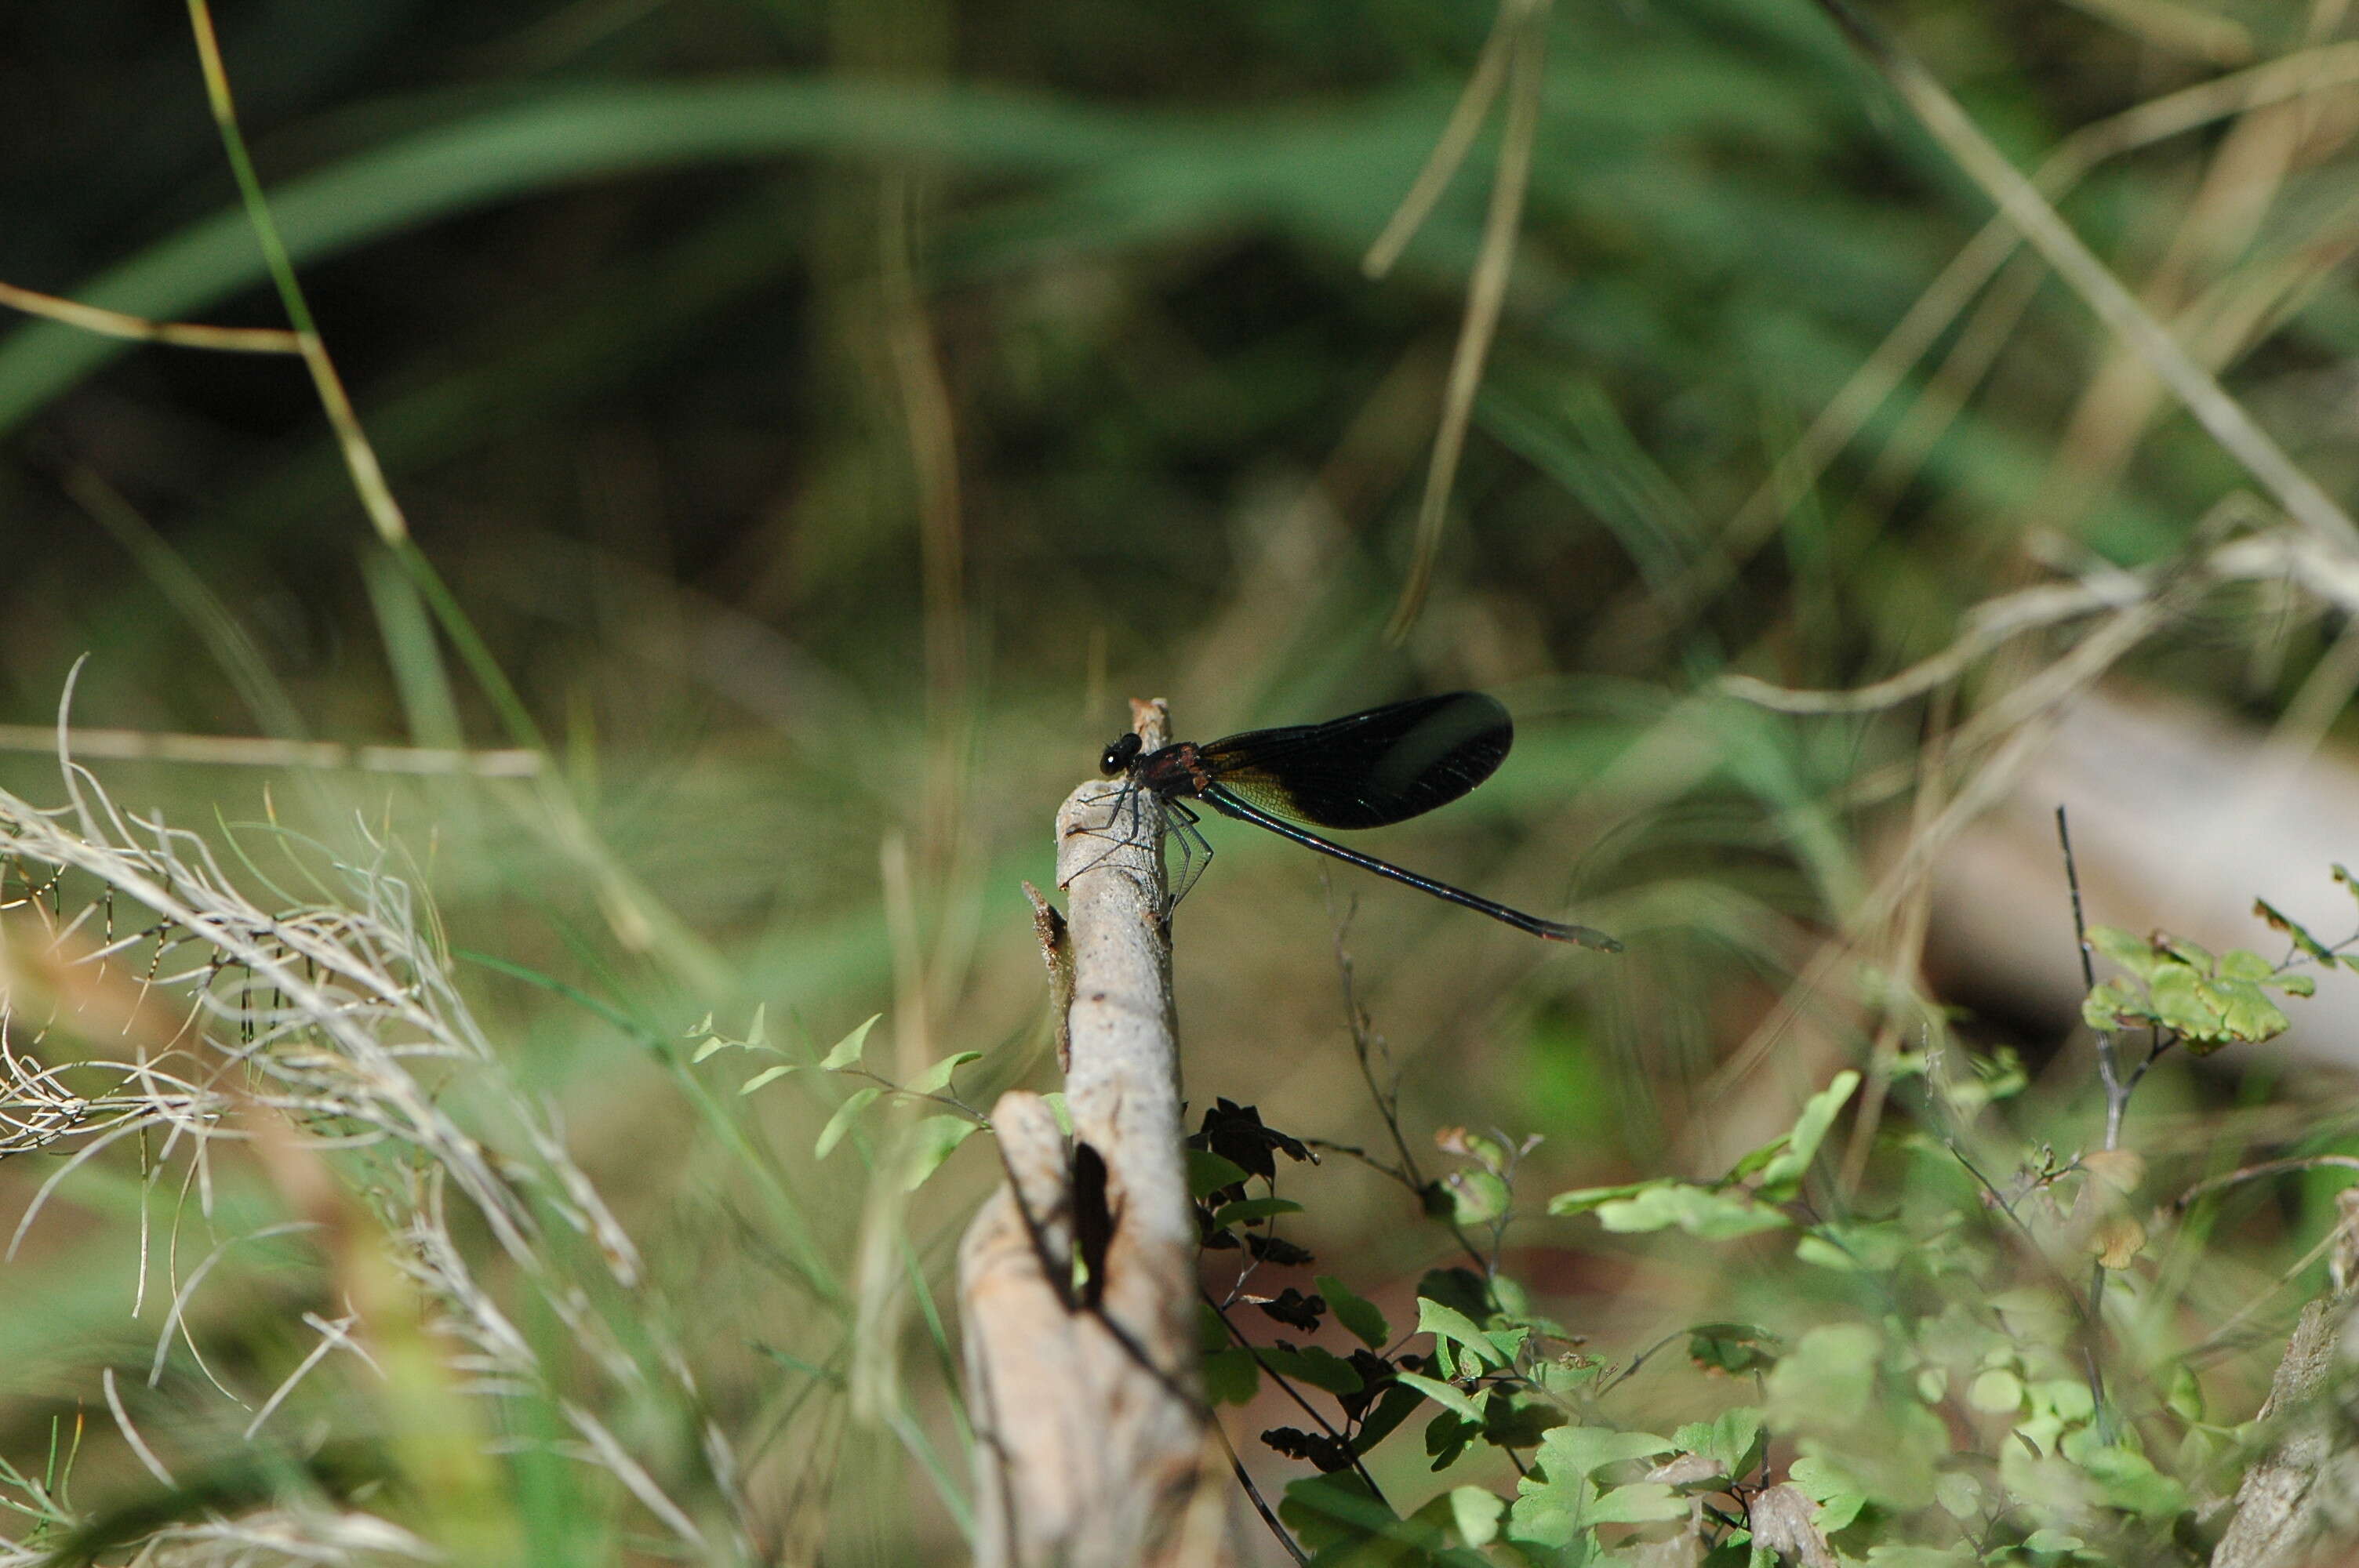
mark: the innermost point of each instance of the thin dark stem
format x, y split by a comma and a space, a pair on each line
2072, 881
2118, 1091
1253, 1494
2109, 1067
2085, 1312
945, 1097
2117, 1101
2266, 1168
2160, 1043
1364, 1043
2107, 1432
1364, 1158
1607, 1384
1356, 1020
1989, 1186
1291, 1392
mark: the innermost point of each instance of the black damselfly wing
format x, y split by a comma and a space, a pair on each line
1365, 770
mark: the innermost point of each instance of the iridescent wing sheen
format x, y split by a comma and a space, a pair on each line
1365, 770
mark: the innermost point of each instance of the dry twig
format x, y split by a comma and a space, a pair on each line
1091, 1439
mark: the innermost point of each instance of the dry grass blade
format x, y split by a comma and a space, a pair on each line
1484, 297
2277, 554
2311, 73
257, 751
138, 329
2038, 222
2178, 30
1457, 140
360, 458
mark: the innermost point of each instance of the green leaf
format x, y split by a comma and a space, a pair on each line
2110, 1005
1461, 1288
1446, 1437
2186, 1397
847, 1050
1580, 1200
713, 1045
1452, 1326
1511, 1421
2183, 1002
1484, 1151
931, 1144
1837, 1495
1699, 1211
1327, 1513
1475, 1512
1997, 1391
1356, 1312
1547, 1515
1824, 1254
1827, 1377
1320, 1368
1732, 1347
2212, 1010
2048, 1540
2238, 964
2129, 1481
1245, 1211
1640, 1502
2066, 1399
1785, 1173
1476, 1197
937, 1079
1570, 1377
1873, 1247
1570, 1451
1443, 1394
2135, 954
1509, 1341
766, 1076
1209, 1172
2250, 1015
840, 1122
1232, 1376
1557, 1503
1731, 1439
1396, 1406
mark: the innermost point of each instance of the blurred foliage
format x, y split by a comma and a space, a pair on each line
824, 416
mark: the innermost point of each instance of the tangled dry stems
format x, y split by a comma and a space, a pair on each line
310, 1024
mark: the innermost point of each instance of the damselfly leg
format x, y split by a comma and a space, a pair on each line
1195, 852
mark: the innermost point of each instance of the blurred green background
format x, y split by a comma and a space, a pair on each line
827, 416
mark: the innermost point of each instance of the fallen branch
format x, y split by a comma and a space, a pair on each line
1079, 1277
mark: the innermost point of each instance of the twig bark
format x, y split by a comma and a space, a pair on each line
1094, 1443
2298, 1505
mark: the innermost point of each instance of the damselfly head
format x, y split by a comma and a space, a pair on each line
1117, 758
